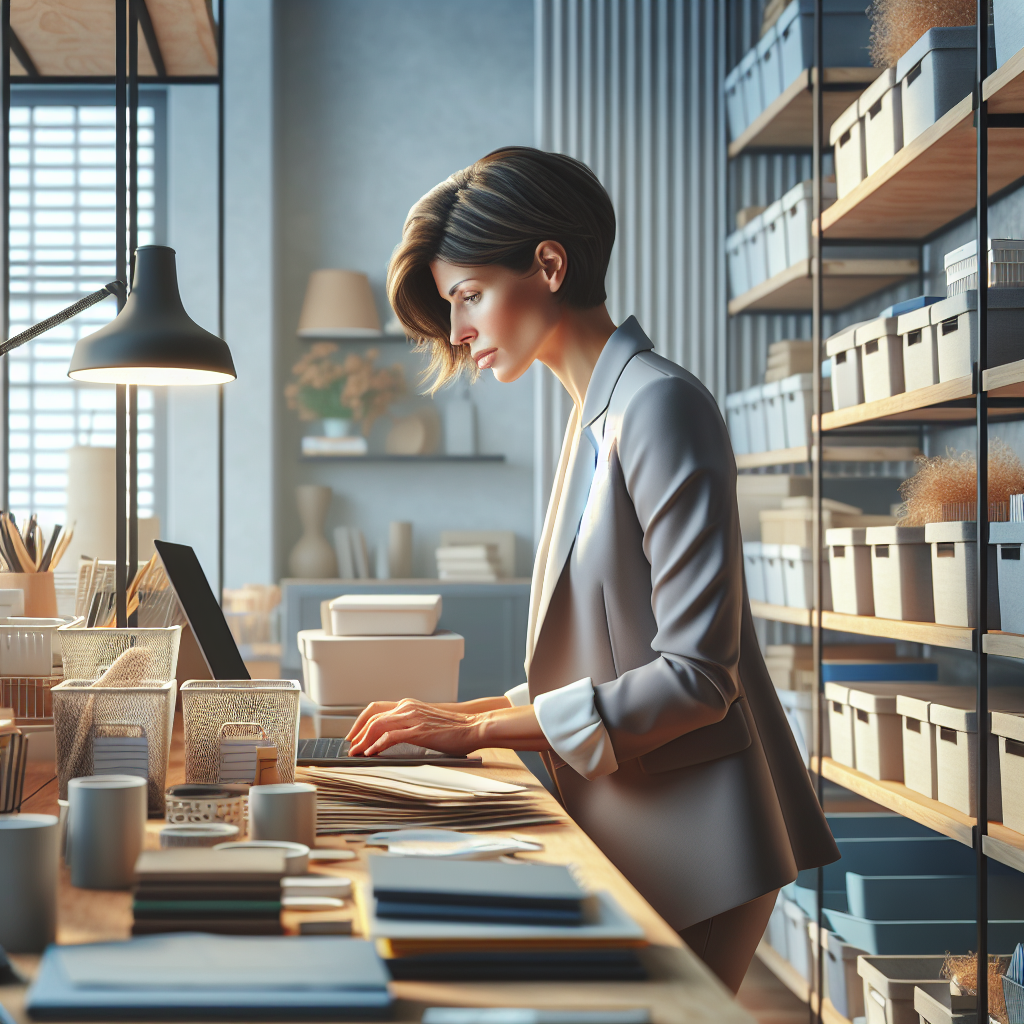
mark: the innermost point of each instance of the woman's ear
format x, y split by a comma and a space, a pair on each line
553, 262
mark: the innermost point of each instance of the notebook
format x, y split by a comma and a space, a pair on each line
191, 865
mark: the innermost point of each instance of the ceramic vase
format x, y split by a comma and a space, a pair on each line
313, 556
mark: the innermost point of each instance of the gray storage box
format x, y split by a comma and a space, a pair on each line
799, 950
889, 983
934, 75
757, 253
774, 415
940, 1007
881, 358
798, 570
753, 566
736, 419
1007, 539
842, 983
1008, 22
736, 260
920, 352
769, 63
846, 137
750, 83
774, 576
901, 573
775, 238
881, 110
796, 205
735, 108
849, 563
845, 36
920, 770
955, 572
847, 373
1009, 732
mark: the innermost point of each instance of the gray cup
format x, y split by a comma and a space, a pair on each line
284, 810
28, 881
106, 827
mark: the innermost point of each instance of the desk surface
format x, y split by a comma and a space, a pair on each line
680, 990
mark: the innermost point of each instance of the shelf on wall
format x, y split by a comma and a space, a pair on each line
796, 983
1004, 88
833, 453
780, 613
1005, 645
788, 121
1006, 381
845, 281
403, 458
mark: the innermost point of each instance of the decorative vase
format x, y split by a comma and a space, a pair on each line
313, 556
336, 426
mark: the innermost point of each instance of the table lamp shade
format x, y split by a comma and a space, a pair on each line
339, 304
152, 341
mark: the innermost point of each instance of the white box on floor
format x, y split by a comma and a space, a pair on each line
774, 219
757, 424
774, 415
798, 394
736, 260
881, 358
770, 62
840, 723
753, 567
920, 771
385, 614
847, 373
351, 670
736, 419
901, 573
1009, 730
847, 139
796, 205
774, 575
956, 759
798, 569
849, 563
881, 108
754, 242
920, 352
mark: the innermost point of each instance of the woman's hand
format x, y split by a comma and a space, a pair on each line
439, 727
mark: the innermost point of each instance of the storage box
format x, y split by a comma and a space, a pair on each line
774, 219
901, 573
794, 522
889, 983
881, 109
755, 243
385, 614
849, 563
335, 722
799, 950
757, 424
840, 724
881, 358
750, 83
798, 208
1005, 265
770, 64
847, 139
735, 107
758, 492
1007, 538
920, 770
843, 986
774, 574
774, 415
1008, 22
356, 670
798, 568
934, 75
736, 260
753, 567
847, 372
920, 351
798, 706
955, 572
777, 931
956, 320
938, 1008
845, 36
1009, 731
798, 396
736, 418
30, 647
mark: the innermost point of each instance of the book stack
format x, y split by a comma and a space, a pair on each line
470, 563
786, 358
491, 921
326, 447
791, 666
200, 890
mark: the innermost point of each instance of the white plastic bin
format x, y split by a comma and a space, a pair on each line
798, 569
840, 723
750, 82
901, 573
753, 566
798, 397
849, 563
334, 723
1008, 22
774, 415
1009, 731
355, 670
757, 425
774, 218
774, 575
881, 108
1008, 538
30, 646
757, 252
847, 139
847, 373
956, 330
845, 36
736, 418
385, 614
770, 64
881, 358
920, 352
796, 204
736, 259
798, 942
1005, 265
920, 771
735, 108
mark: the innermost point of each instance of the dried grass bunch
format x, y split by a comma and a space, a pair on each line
897, 24
964, 971
943, 480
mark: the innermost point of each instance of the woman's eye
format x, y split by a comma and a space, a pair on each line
471, 297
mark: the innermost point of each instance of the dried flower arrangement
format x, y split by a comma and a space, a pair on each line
963, 970
953, 479
354, 389
897, 24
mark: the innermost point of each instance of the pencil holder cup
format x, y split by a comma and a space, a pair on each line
40, 593
228, 721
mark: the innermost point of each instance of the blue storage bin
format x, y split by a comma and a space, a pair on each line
845, 36
1008, 22
1008, 538
919, 897
769, 63
909, 855
921, 937
735, 109
879, 671
935, 74
807, 899
750, 83
873, 825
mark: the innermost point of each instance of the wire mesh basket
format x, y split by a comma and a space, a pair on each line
207, 706
29, 697
88, 653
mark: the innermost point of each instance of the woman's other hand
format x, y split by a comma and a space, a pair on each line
378, 707
383, 724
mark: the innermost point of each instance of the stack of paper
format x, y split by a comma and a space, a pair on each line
379, 797
120, 755
470, 563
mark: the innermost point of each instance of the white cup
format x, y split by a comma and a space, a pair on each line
106, 826
28, 881
284, 811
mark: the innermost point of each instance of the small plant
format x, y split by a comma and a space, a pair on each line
897, 24
354, 389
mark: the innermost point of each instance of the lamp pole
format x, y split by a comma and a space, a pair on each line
133, 243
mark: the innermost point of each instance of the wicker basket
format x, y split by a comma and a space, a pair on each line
207, 706
88, 653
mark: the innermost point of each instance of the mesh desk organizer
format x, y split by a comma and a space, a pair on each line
30, 666
114, 711
226, 721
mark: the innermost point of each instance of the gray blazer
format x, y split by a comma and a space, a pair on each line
710, 804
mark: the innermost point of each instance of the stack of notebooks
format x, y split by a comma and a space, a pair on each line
490, 921
471, 563
376, 798
200, 890
788, 357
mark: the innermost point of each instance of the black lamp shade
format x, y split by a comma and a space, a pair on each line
153, 341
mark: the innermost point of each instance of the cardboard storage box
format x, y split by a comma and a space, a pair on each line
845, 35
1008, 22
840, 724
798, 396
889, 983
735, 108
1009, 732
920, 770
736, 419
756, 492
881, 361
757, 425
1007, 539
956, 760
920, 351
901, 573
956, 322
881, 109
753, 567
849, 563
846, 137
954, 557
774, 574
796, 205
770, 65
847, 373
1005, 265
798, 569
787, 358
755, 243
750, 83
774, 219
736, 261
774, 415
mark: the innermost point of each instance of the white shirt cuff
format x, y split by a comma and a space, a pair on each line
519, 696
569, 720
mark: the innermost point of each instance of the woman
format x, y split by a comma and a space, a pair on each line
645, 689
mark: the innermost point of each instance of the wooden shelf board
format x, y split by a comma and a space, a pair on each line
1004, 88
795, 982
833, 453
1004, 845
928, 183
1005, 645
845, 281
919, 403
788, 120
896, 797
780, 613
955, 637
1006, 381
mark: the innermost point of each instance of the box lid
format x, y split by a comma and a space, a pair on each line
797, 382
735, 400
912, 707
914, 320
310, 640
895, 535
944, 533
845, 339
858, 670
909, 305
897, 975
838, 692
843, 123
772, 212
881, 698
767, 41
845, 536
752, 549
955, 305
771, 550
959, 38
735, 240
1006, 533
732, 79
747, 61
804, 190
753, 226
795, 553
1009, 725
874, 329
771, 389
876, 90
386, 603
753, 394
958, 711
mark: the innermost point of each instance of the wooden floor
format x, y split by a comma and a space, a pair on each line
767, 1000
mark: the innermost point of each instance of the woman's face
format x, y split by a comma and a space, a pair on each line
504, 317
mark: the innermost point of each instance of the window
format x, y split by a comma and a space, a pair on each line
62, 238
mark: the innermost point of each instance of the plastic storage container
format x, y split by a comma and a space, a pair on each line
846, 136
799, 950
356, 670
757, 424
920, 351
847, 372
845, 36
736, 418
774, 415
956, 322
796, 205
750, 83
736, 260
776, 931
1005, 265
735, 107
797, 705
755, 243
934, 75
939, 1008
774, 219
1009, 732
753, 566
335, 722
774, 574
920, 770
1008, 22
385, 614
30, 647
798, 569
881, 110
889, 983
798, 396
1007, 539
849, 563
881, 358
901, 573
954, 574
770, 65
844, 987
919, 937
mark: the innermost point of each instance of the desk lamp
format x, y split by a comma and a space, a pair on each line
151, 341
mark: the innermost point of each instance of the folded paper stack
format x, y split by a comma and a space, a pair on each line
470, 563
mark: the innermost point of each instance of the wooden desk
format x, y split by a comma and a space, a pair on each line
680, 989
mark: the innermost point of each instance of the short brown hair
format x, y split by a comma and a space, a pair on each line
498, 211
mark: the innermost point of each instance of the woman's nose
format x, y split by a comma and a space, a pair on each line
462, 332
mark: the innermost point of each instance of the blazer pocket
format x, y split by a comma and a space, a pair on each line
729, 736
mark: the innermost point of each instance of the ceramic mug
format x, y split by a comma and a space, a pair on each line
106, 826
28, 881
284, 811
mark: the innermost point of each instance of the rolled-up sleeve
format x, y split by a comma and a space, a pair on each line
569, 720
519, 696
